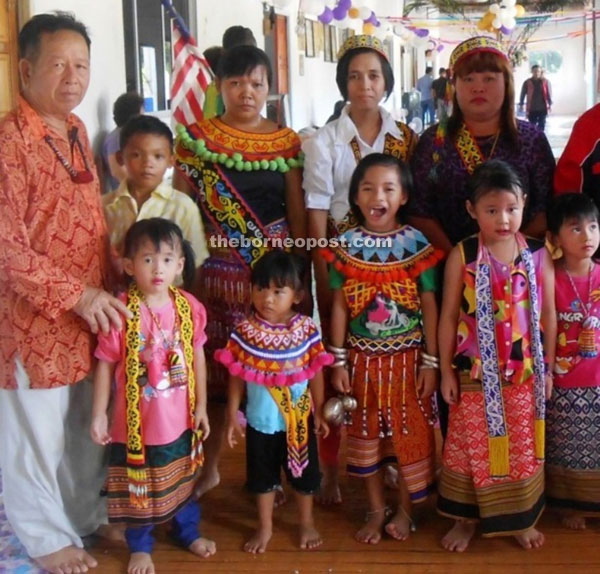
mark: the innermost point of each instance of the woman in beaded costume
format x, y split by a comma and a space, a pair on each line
385, 314
244, 172
365, 78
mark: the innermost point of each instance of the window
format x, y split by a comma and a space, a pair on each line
148, 48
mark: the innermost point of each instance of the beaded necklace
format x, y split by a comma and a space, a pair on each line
84, 176
586, 341
177, 372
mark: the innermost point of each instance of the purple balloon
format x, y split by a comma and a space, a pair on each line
440, 47
505, 30
377, 23
422, 32
345, 4
326, 16
339, 12
372, 19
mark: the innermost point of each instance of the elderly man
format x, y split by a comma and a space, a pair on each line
52, 266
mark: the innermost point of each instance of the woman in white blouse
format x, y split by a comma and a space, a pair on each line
364, 77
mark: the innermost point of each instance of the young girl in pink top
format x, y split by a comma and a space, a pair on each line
159, 397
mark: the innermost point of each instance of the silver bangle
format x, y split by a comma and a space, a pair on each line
340, 363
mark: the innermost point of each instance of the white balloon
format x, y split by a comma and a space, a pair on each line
344, 23
313, 7
399, 29
497, 23
509, 3
494, 9
510, 23
510, 12
364, 12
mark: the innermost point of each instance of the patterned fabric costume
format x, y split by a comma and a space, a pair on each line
441, 168
573, 441
493, 454
239, 179
279, 356
381, 276
155, 450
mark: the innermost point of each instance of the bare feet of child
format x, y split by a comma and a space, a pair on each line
531, 538
370, 533
572, 520
329, 492
458, 537
68, 559
140, 563
309, 537
203, 547
258, 543
206, 482
401, 525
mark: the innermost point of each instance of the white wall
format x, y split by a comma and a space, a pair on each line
105, 23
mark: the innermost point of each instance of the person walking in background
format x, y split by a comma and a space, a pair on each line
538, 91
439, 95
424, 85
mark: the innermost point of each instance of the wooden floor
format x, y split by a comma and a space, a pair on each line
229, 520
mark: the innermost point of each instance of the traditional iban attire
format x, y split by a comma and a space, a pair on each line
155, 448
493, 454
277, 361
381, 276
573, 427
239, 178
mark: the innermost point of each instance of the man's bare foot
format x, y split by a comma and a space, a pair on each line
68, 560
370, 533
280, 497
309, 537
258, 543
111, 532
572, 520
458, 537
140, 563
390, 477
329, 492
531, 538
203, 547
206, 481
400, 526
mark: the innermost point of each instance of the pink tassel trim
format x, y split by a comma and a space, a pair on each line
251, 375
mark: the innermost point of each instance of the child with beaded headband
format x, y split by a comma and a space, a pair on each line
245, 173
385, 314
364, 78
498, 290
573, 435
159, 403
276, 357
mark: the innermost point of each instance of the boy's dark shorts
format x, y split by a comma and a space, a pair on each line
266, 455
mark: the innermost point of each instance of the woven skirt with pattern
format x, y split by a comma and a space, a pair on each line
573, 450
390, 425
169, 477
466, 490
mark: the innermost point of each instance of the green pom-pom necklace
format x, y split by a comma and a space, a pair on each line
236, 160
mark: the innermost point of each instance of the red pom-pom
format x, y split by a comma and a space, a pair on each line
235, 369
224, 356
280, 379
260, 377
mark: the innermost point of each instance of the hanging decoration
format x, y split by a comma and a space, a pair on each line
501, 17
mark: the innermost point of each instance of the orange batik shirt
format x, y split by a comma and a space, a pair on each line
53, 242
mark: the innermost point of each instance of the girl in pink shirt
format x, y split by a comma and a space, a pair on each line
159, 395
573, 421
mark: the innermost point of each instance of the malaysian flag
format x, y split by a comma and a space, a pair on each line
191, 72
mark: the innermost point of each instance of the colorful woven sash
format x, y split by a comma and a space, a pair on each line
136, 456
296, 426
488, 349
